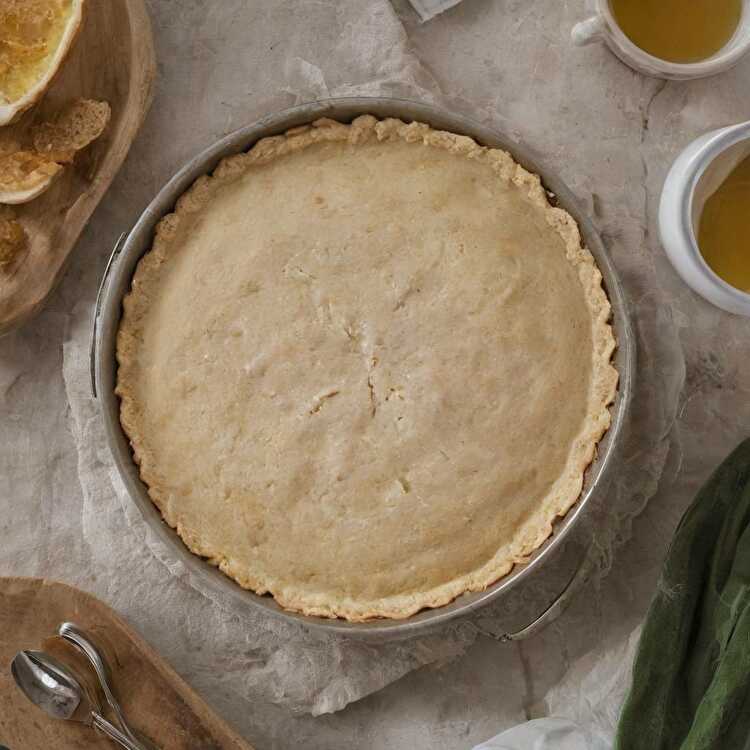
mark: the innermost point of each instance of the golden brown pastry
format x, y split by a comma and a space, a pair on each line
364, 367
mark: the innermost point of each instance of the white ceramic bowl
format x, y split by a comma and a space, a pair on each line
602, 27
698, 172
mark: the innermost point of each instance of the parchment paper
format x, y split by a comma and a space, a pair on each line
262, 660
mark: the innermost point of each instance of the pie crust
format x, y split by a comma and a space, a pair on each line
365, 366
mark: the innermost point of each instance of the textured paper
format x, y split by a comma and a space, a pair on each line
341, 671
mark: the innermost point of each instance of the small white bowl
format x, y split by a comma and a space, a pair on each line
698, 172
602, 27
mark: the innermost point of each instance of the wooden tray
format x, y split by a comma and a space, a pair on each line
114, 60
155, 699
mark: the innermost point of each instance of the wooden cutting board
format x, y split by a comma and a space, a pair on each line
155, 699
113, 59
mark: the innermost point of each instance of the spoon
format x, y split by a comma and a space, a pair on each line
50, 686
73, 634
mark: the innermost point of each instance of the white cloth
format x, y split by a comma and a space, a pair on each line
591, 694
428, 9
545, 734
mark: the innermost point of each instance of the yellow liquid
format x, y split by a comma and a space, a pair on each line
724, 232
681, 31
30, 33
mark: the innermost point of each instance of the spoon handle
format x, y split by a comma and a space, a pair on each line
77, 637
100, 723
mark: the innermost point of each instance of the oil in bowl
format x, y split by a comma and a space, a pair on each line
680, 31
724, 228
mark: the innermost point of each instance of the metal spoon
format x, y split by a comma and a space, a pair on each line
50, 686
75, 635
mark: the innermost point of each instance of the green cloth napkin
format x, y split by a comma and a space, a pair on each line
691, 679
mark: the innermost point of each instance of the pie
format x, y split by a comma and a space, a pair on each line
365, 366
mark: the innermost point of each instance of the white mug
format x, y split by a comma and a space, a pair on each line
602, 27
696, 175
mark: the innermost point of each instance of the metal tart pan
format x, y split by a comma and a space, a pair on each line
116, 284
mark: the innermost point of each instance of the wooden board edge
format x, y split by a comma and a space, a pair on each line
186, 692
140, 96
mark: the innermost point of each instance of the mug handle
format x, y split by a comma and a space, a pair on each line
588, 31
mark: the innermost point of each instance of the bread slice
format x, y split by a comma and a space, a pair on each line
74, 128
24, 175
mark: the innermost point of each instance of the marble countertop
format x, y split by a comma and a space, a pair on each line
608, 131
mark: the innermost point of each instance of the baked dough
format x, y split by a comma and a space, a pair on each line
364, 367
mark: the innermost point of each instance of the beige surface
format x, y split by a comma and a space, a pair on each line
155, 700
591, 121
112, 60
364, 367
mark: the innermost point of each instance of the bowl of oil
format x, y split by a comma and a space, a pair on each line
704, 217
677, 39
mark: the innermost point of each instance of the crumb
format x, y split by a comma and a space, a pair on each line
12, 238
